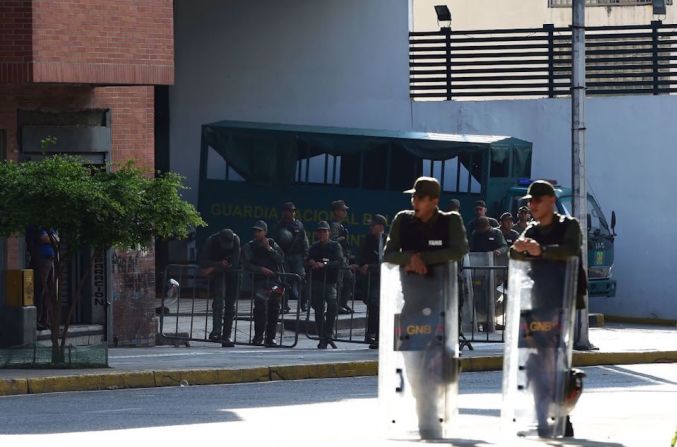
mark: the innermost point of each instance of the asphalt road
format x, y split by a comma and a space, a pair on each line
622, 406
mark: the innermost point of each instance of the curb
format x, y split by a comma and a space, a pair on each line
164, 378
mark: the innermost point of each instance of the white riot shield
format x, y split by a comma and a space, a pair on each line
483, 309
538, 346
418, 350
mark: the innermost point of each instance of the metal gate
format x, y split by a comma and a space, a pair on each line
186, 309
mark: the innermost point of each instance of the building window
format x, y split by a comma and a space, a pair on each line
567, 3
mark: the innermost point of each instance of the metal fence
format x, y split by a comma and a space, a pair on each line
537, 62
360, 291
484, 279
187, 308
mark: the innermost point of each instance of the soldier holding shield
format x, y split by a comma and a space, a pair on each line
422, 242
544, 289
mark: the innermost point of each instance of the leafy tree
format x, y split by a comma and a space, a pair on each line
90, 207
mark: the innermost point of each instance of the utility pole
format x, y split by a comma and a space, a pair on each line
578, 167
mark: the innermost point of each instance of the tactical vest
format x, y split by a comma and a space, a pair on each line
322, 253
555, 237
293, 246
261, 256
418, 236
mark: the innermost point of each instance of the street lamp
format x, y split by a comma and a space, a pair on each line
659, 8
443, 16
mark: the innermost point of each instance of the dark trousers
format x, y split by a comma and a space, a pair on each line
224, 290
373, 299
294, 264
346, 283
266, 311
45, 279
323, 297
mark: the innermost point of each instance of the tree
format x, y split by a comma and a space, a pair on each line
90, 207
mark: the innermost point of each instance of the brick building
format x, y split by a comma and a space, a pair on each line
87, 71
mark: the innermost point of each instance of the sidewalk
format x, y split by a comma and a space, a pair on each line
204, 363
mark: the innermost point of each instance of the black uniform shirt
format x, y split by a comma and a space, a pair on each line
213, 253
559, 241
331, 255
254, 256
298, 245
339, 233
490, 240
510, 236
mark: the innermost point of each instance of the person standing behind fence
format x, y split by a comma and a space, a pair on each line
325, 258
369, 259
509, 234
290, 235
480, 211
523, 219
219, 258
40, 243
264, 258
486, 238
339, 233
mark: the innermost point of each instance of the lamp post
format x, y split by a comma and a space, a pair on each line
578, 165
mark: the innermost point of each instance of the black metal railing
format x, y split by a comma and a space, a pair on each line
536, 62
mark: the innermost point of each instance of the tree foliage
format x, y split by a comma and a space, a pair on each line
93, 207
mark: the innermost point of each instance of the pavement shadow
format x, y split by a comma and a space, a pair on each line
640, 377
161, 407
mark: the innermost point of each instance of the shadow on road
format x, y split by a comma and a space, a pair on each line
161, 407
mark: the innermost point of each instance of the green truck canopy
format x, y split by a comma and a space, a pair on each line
268, 153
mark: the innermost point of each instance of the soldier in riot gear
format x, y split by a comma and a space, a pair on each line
339, 233
264, 257
219, 258
324, 261
290, 235
550, 237
420, 240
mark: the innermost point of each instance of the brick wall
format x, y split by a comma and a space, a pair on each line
132, 117
87, 41
16, 51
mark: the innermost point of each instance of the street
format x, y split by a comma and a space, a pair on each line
622, 406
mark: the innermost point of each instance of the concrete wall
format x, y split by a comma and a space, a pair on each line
328, 62
497, 14
632, 153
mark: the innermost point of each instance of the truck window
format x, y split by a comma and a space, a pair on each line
218, 168
597, 220
453, 176
319, 169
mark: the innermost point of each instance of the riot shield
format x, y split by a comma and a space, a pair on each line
483, 281
418, 350
538, 346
